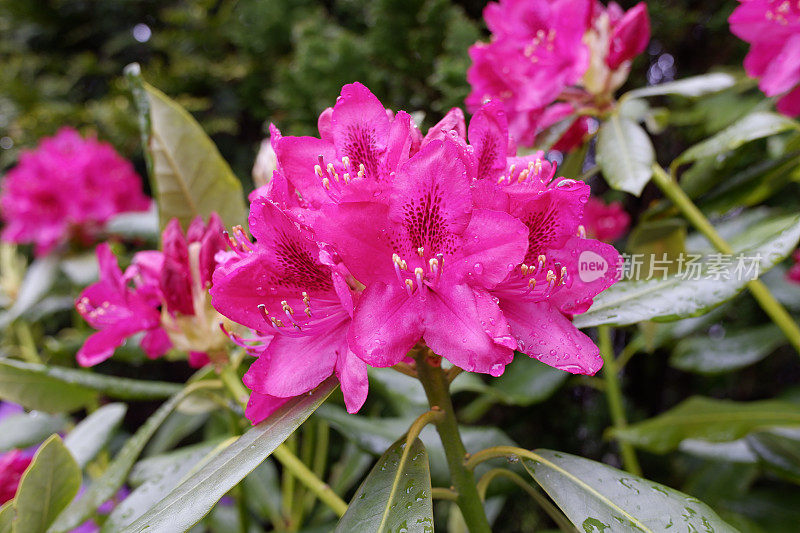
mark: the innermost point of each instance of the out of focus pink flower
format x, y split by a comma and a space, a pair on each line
794, 272
12, 466
66, 189
772, 27
549, 60
605, 222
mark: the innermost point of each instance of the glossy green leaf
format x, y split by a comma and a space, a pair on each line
177, 427
39, 277
262, 487
735, 451
107, 485
188, 174
48, 485
779, 450
87, 438
40, 391
195, 496
625, 154
158, 476
597, 498
58, 389
738, 349
527, 381
707, 419
673, 297
21, 430
753, 126
693, 86
396, 495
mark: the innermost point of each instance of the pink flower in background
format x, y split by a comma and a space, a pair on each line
119, 310
65, 189
174, 281
289, 289
549, 59
772, 27
12, 466
605, 222
794, 272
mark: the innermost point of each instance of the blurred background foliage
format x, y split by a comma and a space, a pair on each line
239, 64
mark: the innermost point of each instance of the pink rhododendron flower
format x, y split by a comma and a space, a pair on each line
12, 466
794, 272
772, 27
163, 293
67, 188
605, 222
450, 240
547, 60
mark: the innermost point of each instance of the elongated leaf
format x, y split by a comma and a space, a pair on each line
107, 485
693, 86
625, 154
779, 449
194, 497
188, 174
737, 349
59, 389
708, 419
26, 429
38, 279
596, 497
674, 298
48, 485
395, 496
89, 437
735, 451
753, 126
163, 473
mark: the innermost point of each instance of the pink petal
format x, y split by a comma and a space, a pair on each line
545, 334
100, 346
260, 406
592, 267
452, 121
176, 278
488, 135
467, 328
629, 36
783, 72
789, 105
212, 242
198, 359
494, 243
386, 324
352, 374
296, 159
155, 343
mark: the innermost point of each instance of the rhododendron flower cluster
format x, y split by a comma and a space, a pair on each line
374, 239
548, 60
605, 222
67, 188
772, 27
162, 293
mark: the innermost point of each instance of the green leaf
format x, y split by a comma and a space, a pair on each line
527, 381
176, 428
188, 174
89, 437
26, 429
674, 298
48, 485
753, 126
693, 86
262, 487
596, 497
39, 391
396, 495
707, 419
58, 389
6, 516
738, 349
195, 496
160, 475
39, 277
779, 450
107, 485
625, 154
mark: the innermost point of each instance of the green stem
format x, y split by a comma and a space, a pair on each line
27, 346
760, 292
552, 511
436, 388
614, 398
